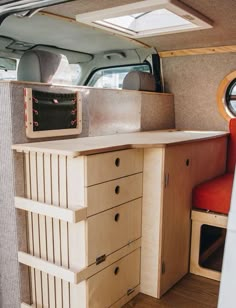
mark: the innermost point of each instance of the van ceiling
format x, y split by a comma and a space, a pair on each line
47, 30
221, 12
56, 27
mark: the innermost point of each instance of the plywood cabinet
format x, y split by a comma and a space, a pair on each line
84, 228
169, 176
104, 224
176, 213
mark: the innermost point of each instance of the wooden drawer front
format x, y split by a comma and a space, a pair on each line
108, 166
109, 285
110, 194
113, 229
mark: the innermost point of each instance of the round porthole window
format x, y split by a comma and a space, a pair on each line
226, 96
230, 97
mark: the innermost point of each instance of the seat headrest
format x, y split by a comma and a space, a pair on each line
44, 66
140, 81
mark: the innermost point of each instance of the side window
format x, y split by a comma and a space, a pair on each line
8, 68
73, 72
76, 73
226, 96
231, 97
112, 78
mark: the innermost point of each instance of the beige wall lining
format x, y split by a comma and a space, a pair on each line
194, 81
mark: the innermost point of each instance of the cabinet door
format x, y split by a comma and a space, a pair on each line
185, 166
176, 215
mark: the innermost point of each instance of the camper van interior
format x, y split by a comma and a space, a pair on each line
117, 153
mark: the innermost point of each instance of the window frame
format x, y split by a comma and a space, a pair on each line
222, 91
93, 72
228, 96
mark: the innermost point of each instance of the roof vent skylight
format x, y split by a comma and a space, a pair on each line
147, 18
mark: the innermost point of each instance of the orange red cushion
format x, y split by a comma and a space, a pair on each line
214, 195
232, 146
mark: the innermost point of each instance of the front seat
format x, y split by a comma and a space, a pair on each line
139, 81
44, 66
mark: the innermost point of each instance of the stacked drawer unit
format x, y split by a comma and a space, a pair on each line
84, 228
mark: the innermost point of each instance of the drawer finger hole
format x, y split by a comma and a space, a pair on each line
117, 189
116, 270
117, 217
117, 162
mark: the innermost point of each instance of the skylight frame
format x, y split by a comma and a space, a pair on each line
96, 18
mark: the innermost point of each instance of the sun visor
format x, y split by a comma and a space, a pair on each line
4, 42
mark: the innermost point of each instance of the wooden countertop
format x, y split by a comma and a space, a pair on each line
92, 145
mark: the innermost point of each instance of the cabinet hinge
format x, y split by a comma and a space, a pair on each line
163, 267
130, 291
100, 259
166, 179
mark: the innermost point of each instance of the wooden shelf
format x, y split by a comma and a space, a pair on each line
92, 145
67, 215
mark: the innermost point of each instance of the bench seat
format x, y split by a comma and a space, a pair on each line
214, 195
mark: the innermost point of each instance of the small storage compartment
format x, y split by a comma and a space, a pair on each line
212, 243
114, 282
110, 194
108, 166
113, 229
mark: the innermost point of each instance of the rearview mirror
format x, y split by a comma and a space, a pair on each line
7, 64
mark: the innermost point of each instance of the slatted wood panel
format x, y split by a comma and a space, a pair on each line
36, 226
47, 181
49, 228
42, 225
56, 227
30, 224
64, 228
59, 181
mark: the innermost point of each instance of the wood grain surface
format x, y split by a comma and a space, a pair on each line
192, 291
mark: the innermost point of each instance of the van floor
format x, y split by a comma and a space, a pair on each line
191, 292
